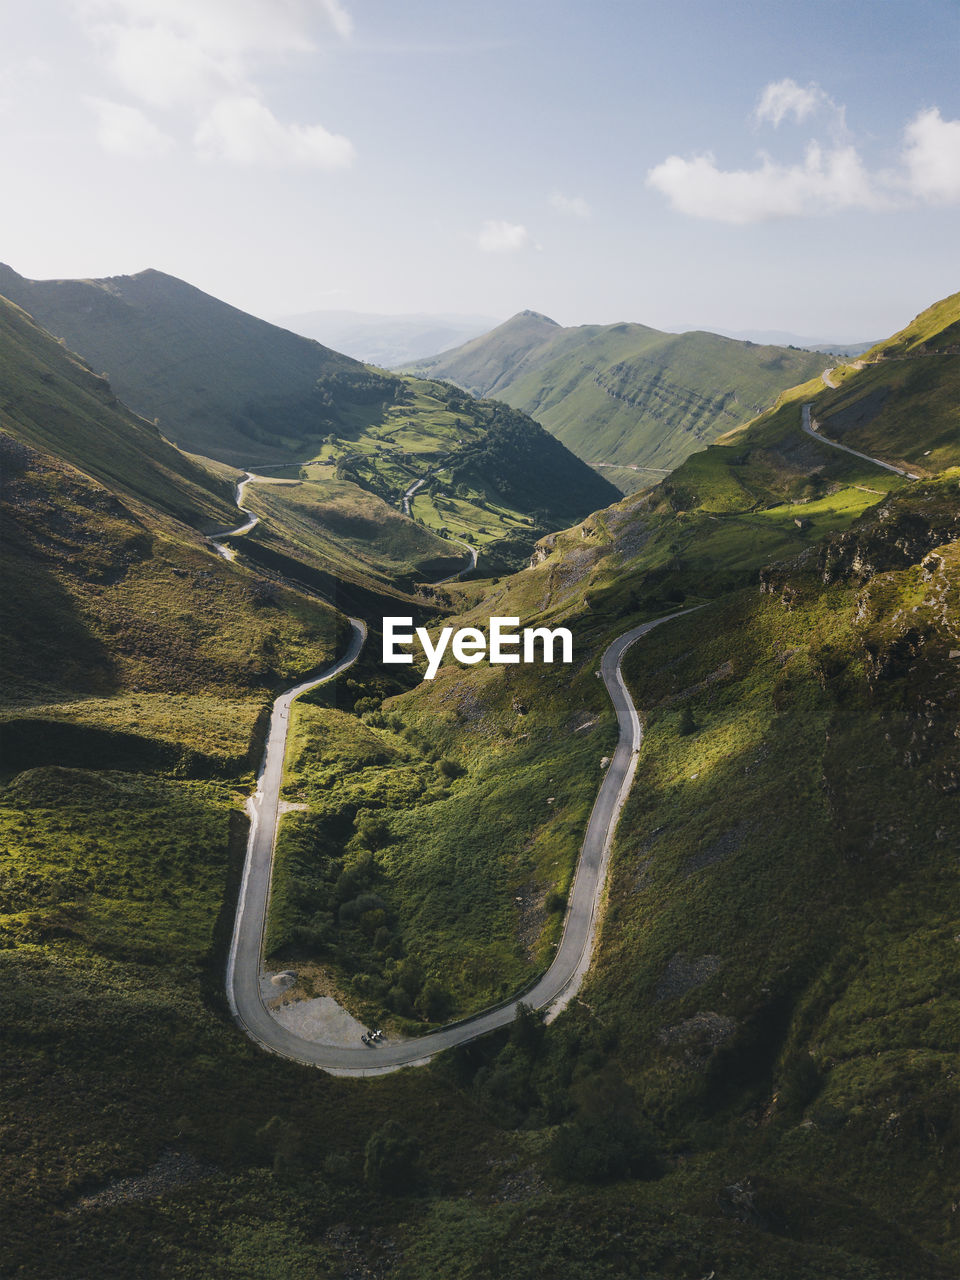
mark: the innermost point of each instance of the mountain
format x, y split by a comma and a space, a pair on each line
386, 340
772, 1006
623, 394
757, 1078
220, 382
109, 588
899, 399
55, 403
234, 388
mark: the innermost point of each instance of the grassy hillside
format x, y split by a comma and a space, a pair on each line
233, 388
478, 471
902, 399
624, 394
124, 635
53, 402
220, 382
758, 1079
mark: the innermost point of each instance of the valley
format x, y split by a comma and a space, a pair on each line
668, 929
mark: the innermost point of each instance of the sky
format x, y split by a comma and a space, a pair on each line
764, 165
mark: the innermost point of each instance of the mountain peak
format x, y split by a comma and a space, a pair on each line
535, 315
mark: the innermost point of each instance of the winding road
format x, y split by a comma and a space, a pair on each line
228, 553
810, 427
551, 992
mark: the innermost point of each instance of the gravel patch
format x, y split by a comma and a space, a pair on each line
322, 1021
682, 975
174, 1169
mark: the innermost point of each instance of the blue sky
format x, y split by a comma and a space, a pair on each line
765, 165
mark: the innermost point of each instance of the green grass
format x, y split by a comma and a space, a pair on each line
784, 863
55, 404
450, 805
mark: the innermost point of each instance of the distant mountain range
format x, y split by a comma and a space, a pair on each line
783, 338
624, 394
386, 340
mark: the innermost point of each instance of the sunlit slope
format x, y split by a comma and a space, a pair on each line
624, 394
53, 402
118, 617
769, 495
475, 470
901, 400
775, 955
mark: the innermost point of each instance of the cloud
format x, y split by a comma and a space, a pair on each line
164, 68
783, 98
242, 130
497, 236
126, 131
202, 57
340, 20
827, 180
574, 206
932, 158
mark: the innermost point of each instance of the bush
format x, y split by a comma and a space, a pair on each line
391, 1159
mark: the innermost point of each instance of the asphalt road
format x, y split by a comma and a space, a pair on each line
405, 500
551, 992
811, 430
467, 568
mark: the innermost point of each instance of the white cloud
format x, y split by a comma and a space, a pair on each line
242, 130
827, 180
932, 158
202, 57
340, 20
497, 236
165, 68
783, 98
126, 131
575, 206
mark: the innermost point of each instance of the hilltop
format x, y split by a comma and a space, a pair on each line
624, 394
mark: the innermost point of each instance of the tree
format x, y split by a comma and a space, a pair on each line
606, 1140
391, 1159
686, 724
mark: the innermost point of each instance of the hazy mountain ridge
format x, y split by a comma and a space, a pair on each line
386, 340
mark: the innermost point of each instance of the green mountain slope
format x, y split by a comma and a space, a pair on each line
221, 382
901, 400
624, 394
234, 388
774, 997
109, 590
53, 402
758, 1079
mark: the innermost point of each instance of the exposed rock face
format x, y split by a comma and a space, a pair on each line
895, 541
698, 1038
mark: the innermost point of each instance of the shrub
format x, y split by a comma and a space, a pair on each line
391, 1159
